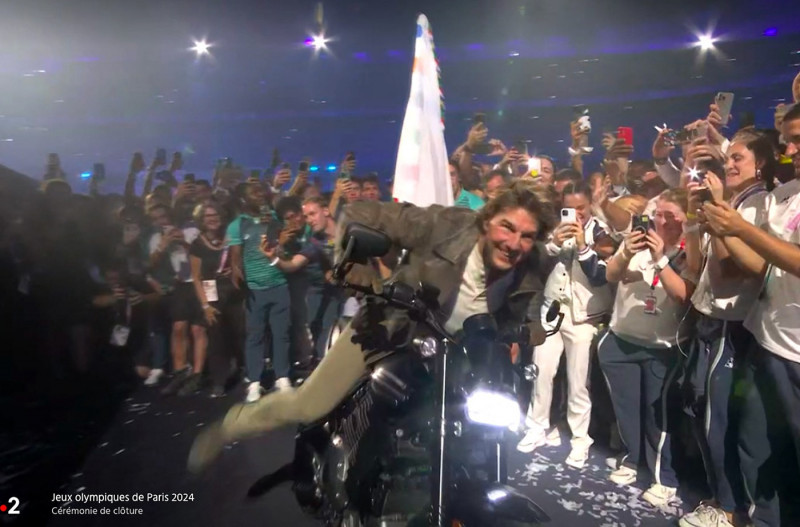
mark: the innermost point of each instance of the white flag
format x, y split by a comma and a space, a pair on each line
421, 174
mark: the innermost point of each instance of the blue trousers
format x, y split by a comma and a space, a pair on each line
769, 426
715, 362
638, 380
324, 304
267, 308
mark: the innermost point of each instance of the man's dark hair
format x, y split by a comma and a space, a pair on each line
372, 177
577, 187
493, 174
288, 204
523, 194
203, 183
568, 174
158, 205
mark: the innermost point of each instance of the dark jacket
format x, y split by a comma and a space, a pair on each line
439, 241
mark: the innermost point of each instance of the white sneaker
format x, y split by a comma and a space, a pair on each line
577, 457
659, 495
553, 438
623, 476
154, 376
253, 392
612, 462
283, 383
532, 440
705, 516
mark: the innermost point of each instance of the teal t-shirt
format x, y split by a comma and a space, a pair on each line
468, 200
246, 231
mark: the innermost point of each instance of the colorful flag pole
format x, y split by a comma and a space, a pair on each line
421, 174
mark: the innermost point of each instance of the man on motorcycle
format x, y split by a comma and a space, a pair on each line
487, 261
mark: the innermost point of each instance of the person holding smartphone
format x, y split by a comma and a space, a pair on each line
578, 282
771, 383
267, 294
463, 198
639, 354
723, 297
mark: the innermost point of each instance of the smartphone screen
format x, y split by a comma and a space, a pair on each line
521, 147
724, 101
626, 134
161, 156
303, 166
99, 171
479, 118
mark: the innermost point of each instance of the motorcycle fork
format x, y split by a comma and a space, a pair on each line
441, 462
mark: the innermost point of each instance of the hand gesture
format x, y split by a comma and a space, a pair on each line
267, 249
137, 163
714, 184
134, 298
662, 148
601, 191
498, 148
695, 204
634, 242
723, 220
177, 162
282, 177
562, 233
477, 135
288, 234
210, 313
714, 118
349, 165
655, 243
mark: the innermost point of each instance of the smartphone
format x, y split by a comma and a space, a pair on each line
479, 118
535, 168
626, 134
303, 166
99, 172
640, 223
701, 132
724, 101
580, 113
482, 149
521, 147
276, 158
704, 195
678, 137
568, 216
161, 156
189, 178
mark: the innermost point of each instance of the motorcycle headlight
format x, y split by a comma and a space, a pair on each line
493, 408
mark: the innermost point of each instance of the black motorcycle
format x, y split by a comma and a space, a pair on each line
422, 439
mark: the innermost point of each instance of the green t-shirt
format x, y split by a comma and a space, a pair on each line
468, 200
246, 231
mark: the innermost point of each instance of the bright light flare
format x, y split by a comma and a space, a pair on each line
201, 47
493, 408
705, 42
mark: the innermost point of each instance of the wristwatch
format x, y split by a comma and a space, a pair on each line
662, 263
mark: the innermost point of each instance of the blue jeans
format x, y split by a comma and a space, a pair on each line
267, 307
324, 304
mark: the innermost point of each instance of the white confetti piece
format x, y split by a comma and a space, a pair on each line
120, 451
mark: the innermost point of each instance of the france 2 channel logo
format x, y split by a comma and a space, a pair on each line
12, 507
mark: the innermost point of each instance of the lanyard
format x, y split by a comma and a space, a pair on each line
756, 188
656, 278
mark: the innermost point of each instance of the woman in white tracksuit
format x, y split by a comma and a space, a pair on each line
578, 282
639, 355
770, 413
